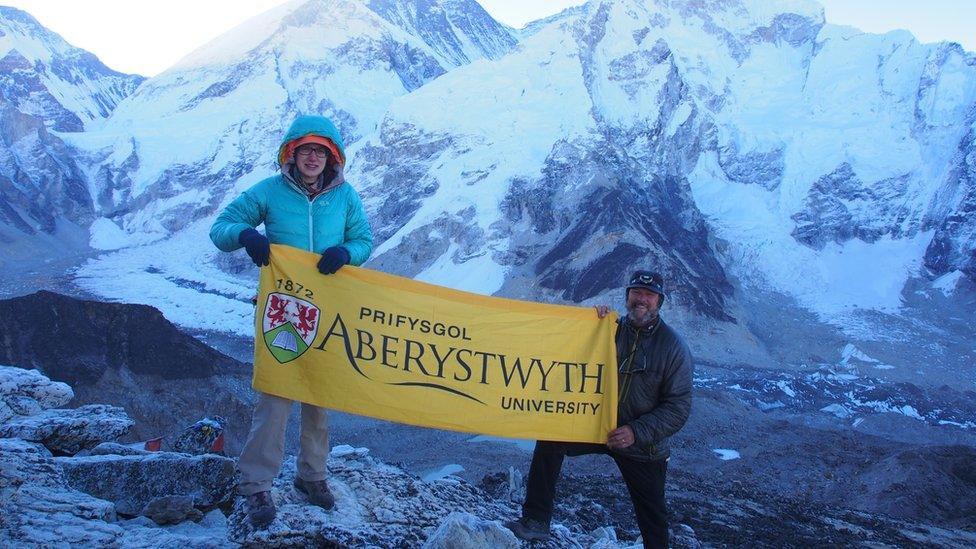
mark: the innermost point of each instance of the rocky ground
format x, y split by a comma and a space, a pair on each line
869, 462
64, 482
801, 476
716, 514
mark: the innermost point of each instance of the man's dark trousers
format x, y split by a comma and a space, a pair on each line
644, 479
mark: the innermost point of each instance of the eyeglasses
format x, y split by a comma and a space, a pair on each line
305, 150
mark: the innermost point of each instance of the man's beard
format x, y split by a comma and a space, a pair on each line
637, 319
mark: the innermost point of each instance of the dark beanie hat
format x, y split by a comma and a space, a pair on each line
648, 280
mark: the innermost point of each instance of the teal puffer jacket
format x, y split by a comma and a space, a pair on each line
334, 218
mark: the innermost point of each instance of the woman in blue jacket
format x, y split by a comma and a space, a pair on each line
308, 206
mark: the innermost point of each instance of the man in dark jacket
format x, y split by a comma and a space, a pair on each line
654, 377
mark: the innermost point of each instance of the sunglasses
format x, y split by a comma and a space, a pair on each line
644, 279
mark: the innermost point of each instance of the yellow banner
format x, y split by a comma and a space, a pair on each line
384, 346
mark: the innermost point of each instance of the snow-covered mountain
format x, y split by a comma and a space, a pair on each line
44, 76
811, 150
747, 149
458, 31
210, 125
47, 86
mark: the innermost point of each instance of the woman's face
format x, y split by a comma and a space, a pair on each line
311, 159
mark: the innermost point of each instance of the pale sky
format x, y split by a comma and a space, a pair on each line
147, 37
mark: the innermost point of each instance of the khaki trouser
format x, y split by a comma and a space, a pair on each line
260, 460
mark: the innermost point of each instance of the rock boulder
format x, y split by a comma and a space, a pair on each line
28, 392
466, 531
70, 431
133, 482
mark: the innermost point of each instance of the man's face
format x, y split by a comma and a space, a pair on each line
310, 159
642, 306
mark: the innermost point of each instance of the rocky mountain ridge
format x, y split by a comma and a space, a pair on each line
47, 86
43, 76
127, 355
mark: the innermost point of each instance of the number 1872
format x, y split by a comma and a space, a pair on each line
294, 288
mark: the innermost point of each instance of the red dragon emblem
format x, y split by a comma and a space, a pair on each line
289, 325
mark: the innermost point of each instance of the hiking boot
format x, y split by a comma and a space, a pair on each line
529, 529
317, 491
260, 509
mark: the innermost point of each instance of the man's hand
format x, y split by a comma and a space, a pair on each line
602, 310
621, 437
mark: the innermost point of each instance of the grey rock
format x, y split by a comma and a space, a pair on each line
931, 483
376, 505
23, 462
840, 206
116, 449
344, 451
604, 533
41, 516
760, 168
37, 508
28, 392
953, 246
22, 406
466, 531
516, 485
41, 180
214, 519
70, 431
179, 536
6, 412
172, 509
57, 502
82, 342
133, 482
18, 384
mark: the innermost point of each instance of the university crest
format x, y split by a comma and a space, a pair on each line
289, 326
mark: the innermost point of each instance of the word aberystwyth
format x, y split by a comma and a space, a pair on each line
389, 347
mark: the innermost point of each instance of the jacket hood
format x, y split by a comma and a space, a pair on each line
306, 125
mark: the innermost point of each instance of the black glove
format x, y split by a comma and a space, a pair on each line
257, 246
332, 259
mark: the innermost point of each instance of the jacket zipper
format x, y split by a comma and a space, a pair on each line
311, 233
311, 201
